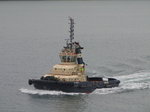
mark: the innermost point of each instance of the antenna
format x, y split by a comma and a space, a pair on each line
71, 29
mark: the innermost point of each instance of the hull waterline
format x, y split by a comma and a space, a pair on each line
75, 87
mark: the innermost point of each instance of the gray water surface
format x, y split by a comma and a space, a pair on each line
116, 38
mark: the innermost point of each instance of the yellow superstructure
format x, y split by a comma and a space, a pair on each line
68, 70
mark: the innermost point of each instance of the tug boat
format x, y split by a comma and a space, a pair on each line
70, 75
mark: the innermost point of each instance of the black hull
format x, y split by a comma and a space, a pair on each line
77, 87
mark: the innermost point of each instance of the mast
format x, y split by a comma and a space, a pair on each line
71, 29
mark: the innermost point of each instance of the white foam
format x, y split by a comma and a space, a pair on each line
128, 83
123, 88
45, 92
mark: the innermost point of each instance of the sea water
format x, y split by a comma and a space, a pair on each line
116, 40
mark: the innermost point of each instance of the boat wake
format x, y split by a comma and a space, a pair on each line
132, 82
46, 92
128, 83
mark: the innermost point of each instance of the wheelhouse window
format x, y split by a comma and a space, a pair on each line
68, 58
